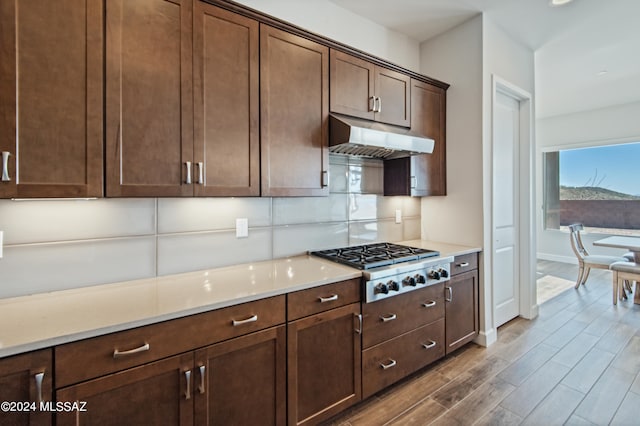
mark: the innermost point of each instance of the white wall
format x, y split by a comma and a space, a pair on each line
327, 19
610, 125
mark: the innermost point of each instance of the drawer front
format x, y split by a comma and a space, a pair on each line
401, 356
86, 359
464, 263
387, 318
319, 299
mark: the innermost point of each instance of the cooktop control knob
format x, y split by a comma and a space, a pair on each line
420, 279
443, 273
434, 275
409, 281
381, 289
393, 285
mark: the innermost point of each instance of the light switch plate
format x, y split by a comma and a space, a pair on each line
1, 242
398, 216
242, 227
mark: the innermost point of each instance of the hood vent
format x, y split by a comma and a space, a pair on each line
353, 136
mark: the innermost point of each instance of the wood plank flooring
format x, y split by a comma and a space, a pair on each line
578, 363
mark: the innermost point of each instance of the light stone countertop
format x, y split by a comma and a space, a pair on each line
43, 320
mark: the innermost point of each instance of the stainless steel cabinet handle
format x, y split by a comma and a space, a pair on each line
5, 166
359, 329
201, 387
372, 103
429, 345
388, 318
325, 178
429, 304
328, 299
379, 104
450, 290
39, 377
117, 353
462, 265
188, 181
187, 393
252, 318
389, 365
200, 173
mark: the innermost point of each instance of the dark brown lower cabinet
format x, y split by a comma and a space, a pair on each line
158, 393
324, 364
26, 379
242, 381
461, 309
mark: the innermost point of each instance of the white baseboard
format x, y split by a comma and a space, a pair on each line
557, 258
533, 311
486, 337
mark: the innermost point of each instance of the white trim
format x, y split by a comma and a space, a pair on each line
486, 337
589, 144
558, 258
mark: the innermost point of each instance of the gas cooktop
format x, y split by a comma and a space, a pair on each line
375, 255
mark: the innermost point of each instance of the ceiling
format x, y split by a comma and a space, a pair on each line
573, 44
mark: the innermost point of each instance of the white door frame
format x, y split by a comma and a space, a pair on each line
526, 199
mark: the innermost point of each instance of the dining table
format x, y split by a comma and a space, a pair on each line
624, 242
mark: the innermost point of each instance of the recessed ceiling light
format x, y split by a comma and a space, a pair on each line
559, 2
602, 72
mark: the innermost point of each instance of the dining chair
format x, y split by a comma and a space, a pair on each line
623, 274
587, 261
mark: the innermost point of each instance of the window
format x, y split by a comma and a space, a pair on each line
598, 187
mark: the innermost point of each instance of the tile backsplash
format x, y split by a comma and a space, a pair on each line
55, 245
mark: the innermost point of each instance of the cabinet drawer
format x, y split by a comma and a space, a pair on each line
464, 263
384, 319
319, 299
390, 361
95, 357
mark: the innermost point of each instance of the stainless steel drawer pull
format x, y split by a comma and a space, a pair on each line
325, 178
462, 265
187, 393
5, 166
200, 172
372, 103
450, 290
379, 104
359, 329
39, 377
429, 345
331, 298
188, 180
117, 353
388, 318
429, 304
391, 364
202, 372
253, 318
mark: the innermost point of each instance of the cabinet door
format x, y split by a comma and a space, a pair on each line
26, 378
393, 89
159, 393
294, 88
428, 112
51, 98
226, 103
149, 111
461, 309
243, 381
324, 372
352, 85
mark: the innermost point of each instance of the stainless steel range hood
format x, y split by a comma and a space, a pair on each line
353, 136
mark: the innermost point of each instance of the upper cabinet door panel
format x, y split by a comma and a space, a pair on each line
226, 95
352, 85
393, 90
294, 88
149, 120
51, 98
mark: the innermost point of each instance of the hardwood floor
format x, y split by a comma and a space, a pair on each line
578, 363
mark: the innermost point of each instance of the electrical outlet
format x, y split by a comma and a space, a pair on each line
398, 216
242, 227
1, 242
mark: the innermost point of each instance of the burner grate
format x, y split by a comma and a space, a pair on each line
375, 255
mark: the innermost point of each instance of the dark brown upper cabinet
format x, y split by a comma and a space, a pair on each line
422, 175
226, 103
51, 99
362, 89
294, 111
149, 101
